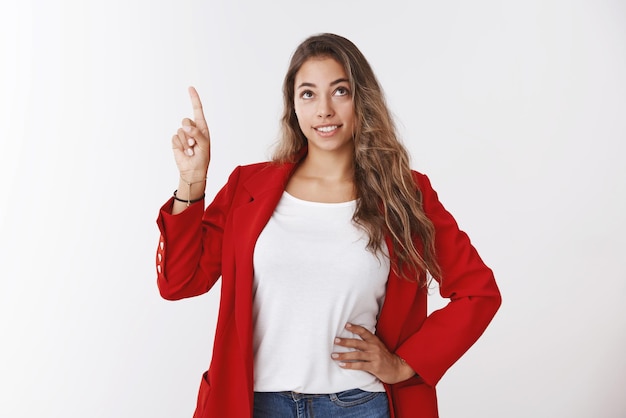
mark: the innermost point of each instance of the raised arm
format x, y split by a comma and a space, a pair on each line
192, 153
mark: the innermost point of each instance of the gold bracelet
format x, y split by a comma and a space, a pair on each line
189, 202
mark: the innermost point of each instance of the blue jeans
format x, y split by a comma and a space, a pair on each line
353, 403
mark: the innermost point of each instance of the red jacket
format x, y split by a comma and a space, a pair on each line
198, 246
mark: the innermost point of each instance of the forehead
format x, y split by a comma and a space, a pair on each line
320, 71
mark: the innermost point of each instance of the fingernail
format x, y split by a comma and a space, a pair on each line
189, 151
337, 340
341, 364
334, 355
191, 141
186, 128
348, 325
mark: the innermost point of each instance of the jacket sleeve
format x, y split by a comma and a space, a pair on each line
189, 254
469, 285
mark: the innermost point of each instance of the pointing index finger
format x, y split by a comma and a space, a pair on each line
198, 113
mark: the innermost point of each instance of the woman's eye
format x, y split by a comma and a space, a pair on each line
342, 91
307, 94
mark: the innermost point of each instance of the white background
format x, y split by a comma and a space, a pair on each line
516, 110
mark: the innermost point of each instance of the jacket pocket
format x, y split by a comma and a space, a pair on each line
203, 395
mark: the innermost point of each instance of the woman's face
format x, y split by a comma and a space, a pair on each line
324, 106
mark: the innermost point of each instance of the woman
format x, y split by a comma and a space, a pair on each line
324, 254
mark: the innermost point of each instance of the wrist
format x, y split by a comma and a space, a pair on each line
191, 189
405, 371
193, 177
188, 193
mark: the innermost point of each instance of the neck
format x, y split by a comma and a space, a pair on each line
328, 165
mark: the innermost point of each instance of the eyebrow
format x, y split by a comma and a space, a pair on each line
339, 80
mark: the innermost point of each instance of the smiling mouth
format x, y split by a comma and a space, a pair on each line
327, 129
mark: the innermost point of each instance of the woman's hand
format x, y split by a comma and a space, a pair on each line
372, 356
192, 144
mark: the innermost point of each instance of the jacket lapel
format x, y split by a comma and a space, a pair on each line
264, 190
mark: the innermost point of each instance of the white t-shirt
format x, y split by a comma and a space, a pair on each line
312, 275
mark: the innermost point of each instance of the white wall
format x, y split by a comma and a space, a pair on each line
516, 110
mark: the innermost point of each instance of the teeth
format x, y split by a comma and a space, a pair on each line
327, 128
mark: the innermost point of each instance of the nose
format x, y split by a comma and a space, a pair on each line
325, 108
